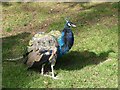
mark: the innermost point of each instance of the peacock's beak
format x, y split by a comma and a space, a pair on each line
73, 25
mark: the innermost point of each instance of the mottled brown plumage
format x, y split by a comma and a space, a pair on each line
42, 49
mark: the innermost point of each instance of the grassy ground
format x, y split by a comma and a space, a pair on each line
92, 61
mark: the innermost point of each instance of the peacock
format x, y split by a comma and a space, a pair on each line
46, 48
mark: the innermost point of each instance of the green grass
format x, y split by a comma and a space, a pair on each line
91, 63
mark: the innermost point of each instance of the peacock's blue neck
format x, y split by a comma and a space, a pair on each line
65, 41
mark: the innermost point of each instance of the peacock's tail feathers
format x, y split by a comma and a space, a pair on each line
39, 35
41, 44
36, 36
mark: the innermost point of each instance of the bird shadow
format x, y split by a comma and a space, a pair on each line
11, 45
75, 60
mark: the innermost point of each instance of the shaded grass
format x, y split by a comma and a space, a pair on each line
92, 61
11, 44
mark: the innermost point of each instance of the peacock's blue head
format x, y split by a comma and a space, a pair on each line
69, 24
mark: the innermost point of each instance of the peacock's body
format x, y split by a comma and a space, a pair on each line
46, 48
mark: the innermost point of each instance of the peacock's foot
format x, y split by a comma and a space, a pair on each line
50, 73
51, 76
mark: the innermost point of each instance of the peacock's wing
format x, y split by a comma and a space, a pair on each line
40, 45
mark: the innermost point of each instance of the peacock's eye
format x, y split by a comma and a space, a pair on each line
69, 24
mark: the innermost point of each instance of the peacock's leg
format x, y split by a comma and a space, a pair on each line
52, 71
42, 69
53, 75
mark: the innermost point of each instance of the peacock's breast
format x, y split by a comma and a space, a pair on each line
65, 42
69, 38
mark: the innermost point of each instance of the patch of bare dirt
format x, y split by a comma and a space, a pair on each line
31, 28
